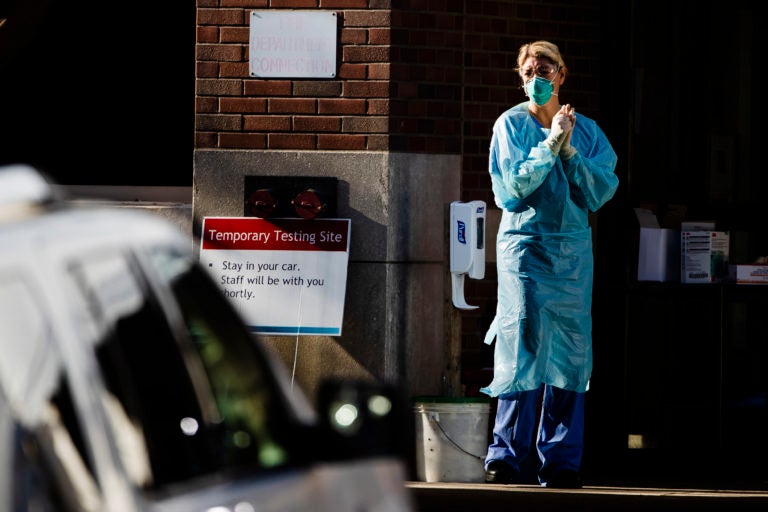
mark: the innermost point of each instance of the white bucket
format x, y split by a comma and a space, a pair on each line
451, 439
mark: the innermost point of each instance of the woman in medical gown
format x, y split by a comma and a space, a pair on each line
550, 167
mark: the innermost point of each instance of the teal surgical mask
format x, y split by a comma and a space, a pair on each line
539, 90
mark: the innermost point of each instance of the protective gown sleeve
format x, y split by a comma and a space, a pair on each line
516, 173
590, 172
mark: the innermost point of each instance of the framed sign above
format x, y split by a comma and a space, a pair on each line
292, 44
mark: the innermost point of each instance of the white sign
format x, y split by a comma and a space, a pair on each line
298, 44
285, 276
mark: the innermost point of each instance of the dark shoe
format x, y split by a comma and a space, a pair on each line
499, 472
565, 479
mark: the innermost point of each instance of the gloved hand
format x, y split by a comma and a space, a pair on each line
566, 150
561, 129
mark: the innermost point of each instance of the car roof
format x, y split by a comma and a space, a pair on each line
32, 212
77, 227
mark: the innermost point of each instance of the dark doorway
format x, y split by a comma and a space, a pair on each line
98, 93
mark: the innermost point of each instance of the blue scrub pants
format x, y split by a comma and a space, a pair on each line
560, 440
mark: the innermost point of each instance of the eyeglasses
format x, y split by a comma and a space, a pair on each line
544, 71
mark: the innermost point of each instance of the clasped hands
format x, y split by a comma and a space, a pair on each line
559, 139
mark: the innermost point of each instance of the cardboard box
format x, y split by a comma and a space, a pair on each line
704, 256
658, 256
748, 274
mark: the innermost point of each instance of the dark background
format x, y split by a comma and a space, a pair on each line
683, 366
99, 93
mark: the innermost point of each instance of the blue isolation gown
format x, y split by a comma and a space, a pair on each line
543, 323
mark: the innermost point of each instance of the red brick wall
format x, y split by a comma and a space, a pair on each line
425, 76
416, 76
348, 112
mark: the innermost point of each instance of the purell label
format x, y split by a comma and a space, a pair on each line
461, 232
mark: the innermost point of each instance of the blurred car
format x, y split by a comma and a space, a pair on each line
128, 382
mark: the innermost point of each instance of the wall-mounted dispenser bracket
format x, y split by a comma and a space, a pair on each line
467, 247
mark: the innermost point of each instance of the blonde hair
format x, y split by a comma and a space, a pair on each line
538, 49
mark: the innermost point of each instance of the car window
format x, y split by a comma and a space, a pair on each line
254, 415
188, 390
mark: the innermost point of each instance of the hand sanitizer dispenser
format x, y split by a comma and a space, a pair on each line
467, 247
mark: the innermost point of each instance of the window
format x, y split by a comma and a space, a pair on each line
189, 392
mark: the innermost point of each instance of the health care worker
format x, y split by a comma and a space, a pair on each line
549, 168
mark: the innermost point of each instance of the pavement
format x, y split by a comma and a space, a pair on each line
471, 497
